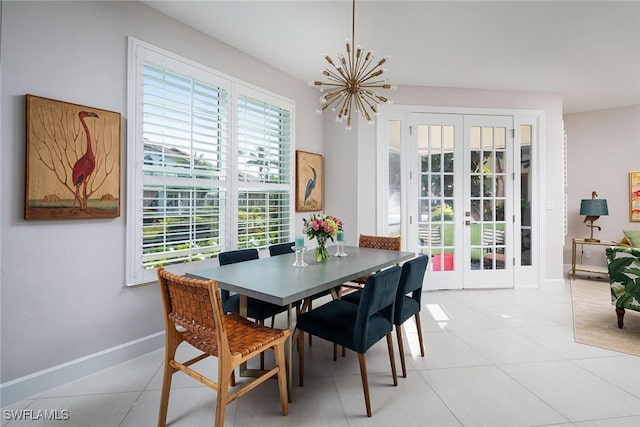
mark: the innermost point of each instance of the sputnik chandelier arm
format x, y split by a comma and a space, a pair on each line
351, 81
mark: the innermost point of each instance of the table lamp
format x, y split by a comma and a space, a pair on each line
593, 208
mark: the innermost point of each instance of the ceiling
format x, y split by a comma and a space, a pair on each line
588, 52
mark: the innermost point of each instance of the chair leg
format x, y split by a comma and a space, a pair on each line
282, 378
171, 345
224, 376
419, 328
261, 323
392, 358
620, 313
401, 348
365, 382
300, 358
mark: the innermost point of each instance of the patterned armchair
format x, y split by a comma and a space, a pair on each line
624, 278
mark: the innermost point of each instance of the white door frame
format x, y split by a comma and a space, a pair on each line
524, 276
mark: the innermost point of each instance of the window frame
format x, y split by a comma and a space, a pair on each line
140, 52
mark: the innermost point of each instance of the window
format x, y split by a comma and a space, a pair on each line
209, 164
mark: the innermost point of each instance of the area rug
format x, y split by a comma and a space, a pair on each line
595, 321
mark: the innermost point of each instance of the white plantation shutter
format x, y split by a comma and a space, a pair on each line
184, 134
194, 190
264, 141
264, 173
263, 218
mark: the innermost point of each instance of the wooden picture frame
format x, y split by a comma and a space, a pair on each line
309, 182
634, 196
72, 161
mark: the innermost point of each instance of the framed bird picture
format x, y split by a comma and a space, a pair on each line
309, 181
72, 161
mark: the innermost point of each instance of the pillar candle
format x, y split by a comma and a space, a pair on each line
299, 241
340, 236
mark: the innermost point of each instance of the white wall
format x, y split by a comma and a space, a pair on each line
63, 291
552, 195
603, 147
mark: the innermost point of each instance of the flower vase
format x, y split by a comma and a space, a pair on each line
322, 254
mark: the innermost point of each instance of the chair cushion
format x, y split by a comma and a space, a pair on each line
335, 321
353, 297
633, 236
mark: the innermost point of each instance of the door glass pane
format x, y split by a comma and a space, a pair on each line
436, 202
424, 185
395, 203
487, 180
525, 193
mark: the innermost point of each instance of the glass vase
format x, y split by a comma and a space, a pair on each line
322, 254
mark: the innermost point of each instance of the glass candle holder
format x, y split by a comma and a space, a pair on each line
299, 260
340, 249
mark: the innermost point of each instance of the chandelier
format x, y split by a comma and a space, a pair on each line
351, 81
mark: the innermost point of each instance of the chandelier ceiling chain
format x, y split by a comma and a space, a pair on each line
351, 81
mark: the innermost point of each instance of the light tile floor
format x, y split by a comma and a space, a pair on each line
493, 358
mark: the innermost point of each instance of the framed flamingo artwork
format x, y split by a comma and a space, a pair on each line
309, 181
72, 161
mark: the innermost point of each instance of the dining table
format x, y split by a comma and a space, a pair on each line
276, 280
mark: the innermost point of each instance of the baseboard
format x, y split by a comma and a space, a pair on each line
41, 381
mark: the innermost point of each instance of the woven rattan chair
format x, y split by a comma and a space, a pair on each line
195, 306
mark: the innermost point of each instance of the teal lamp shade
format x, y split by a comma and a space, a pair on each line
594, 207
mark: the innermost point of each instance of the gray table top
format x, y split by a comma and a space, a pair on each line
275, 280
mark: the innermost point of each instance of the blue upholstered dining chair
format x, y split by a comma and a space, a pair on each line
408, 301
256, 309
356, 327
285, 248
281, 248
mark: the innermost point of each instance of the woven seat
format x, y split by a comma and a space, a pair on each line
196, 306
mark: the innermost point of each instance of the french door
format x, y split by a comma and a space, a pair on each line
461, 199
